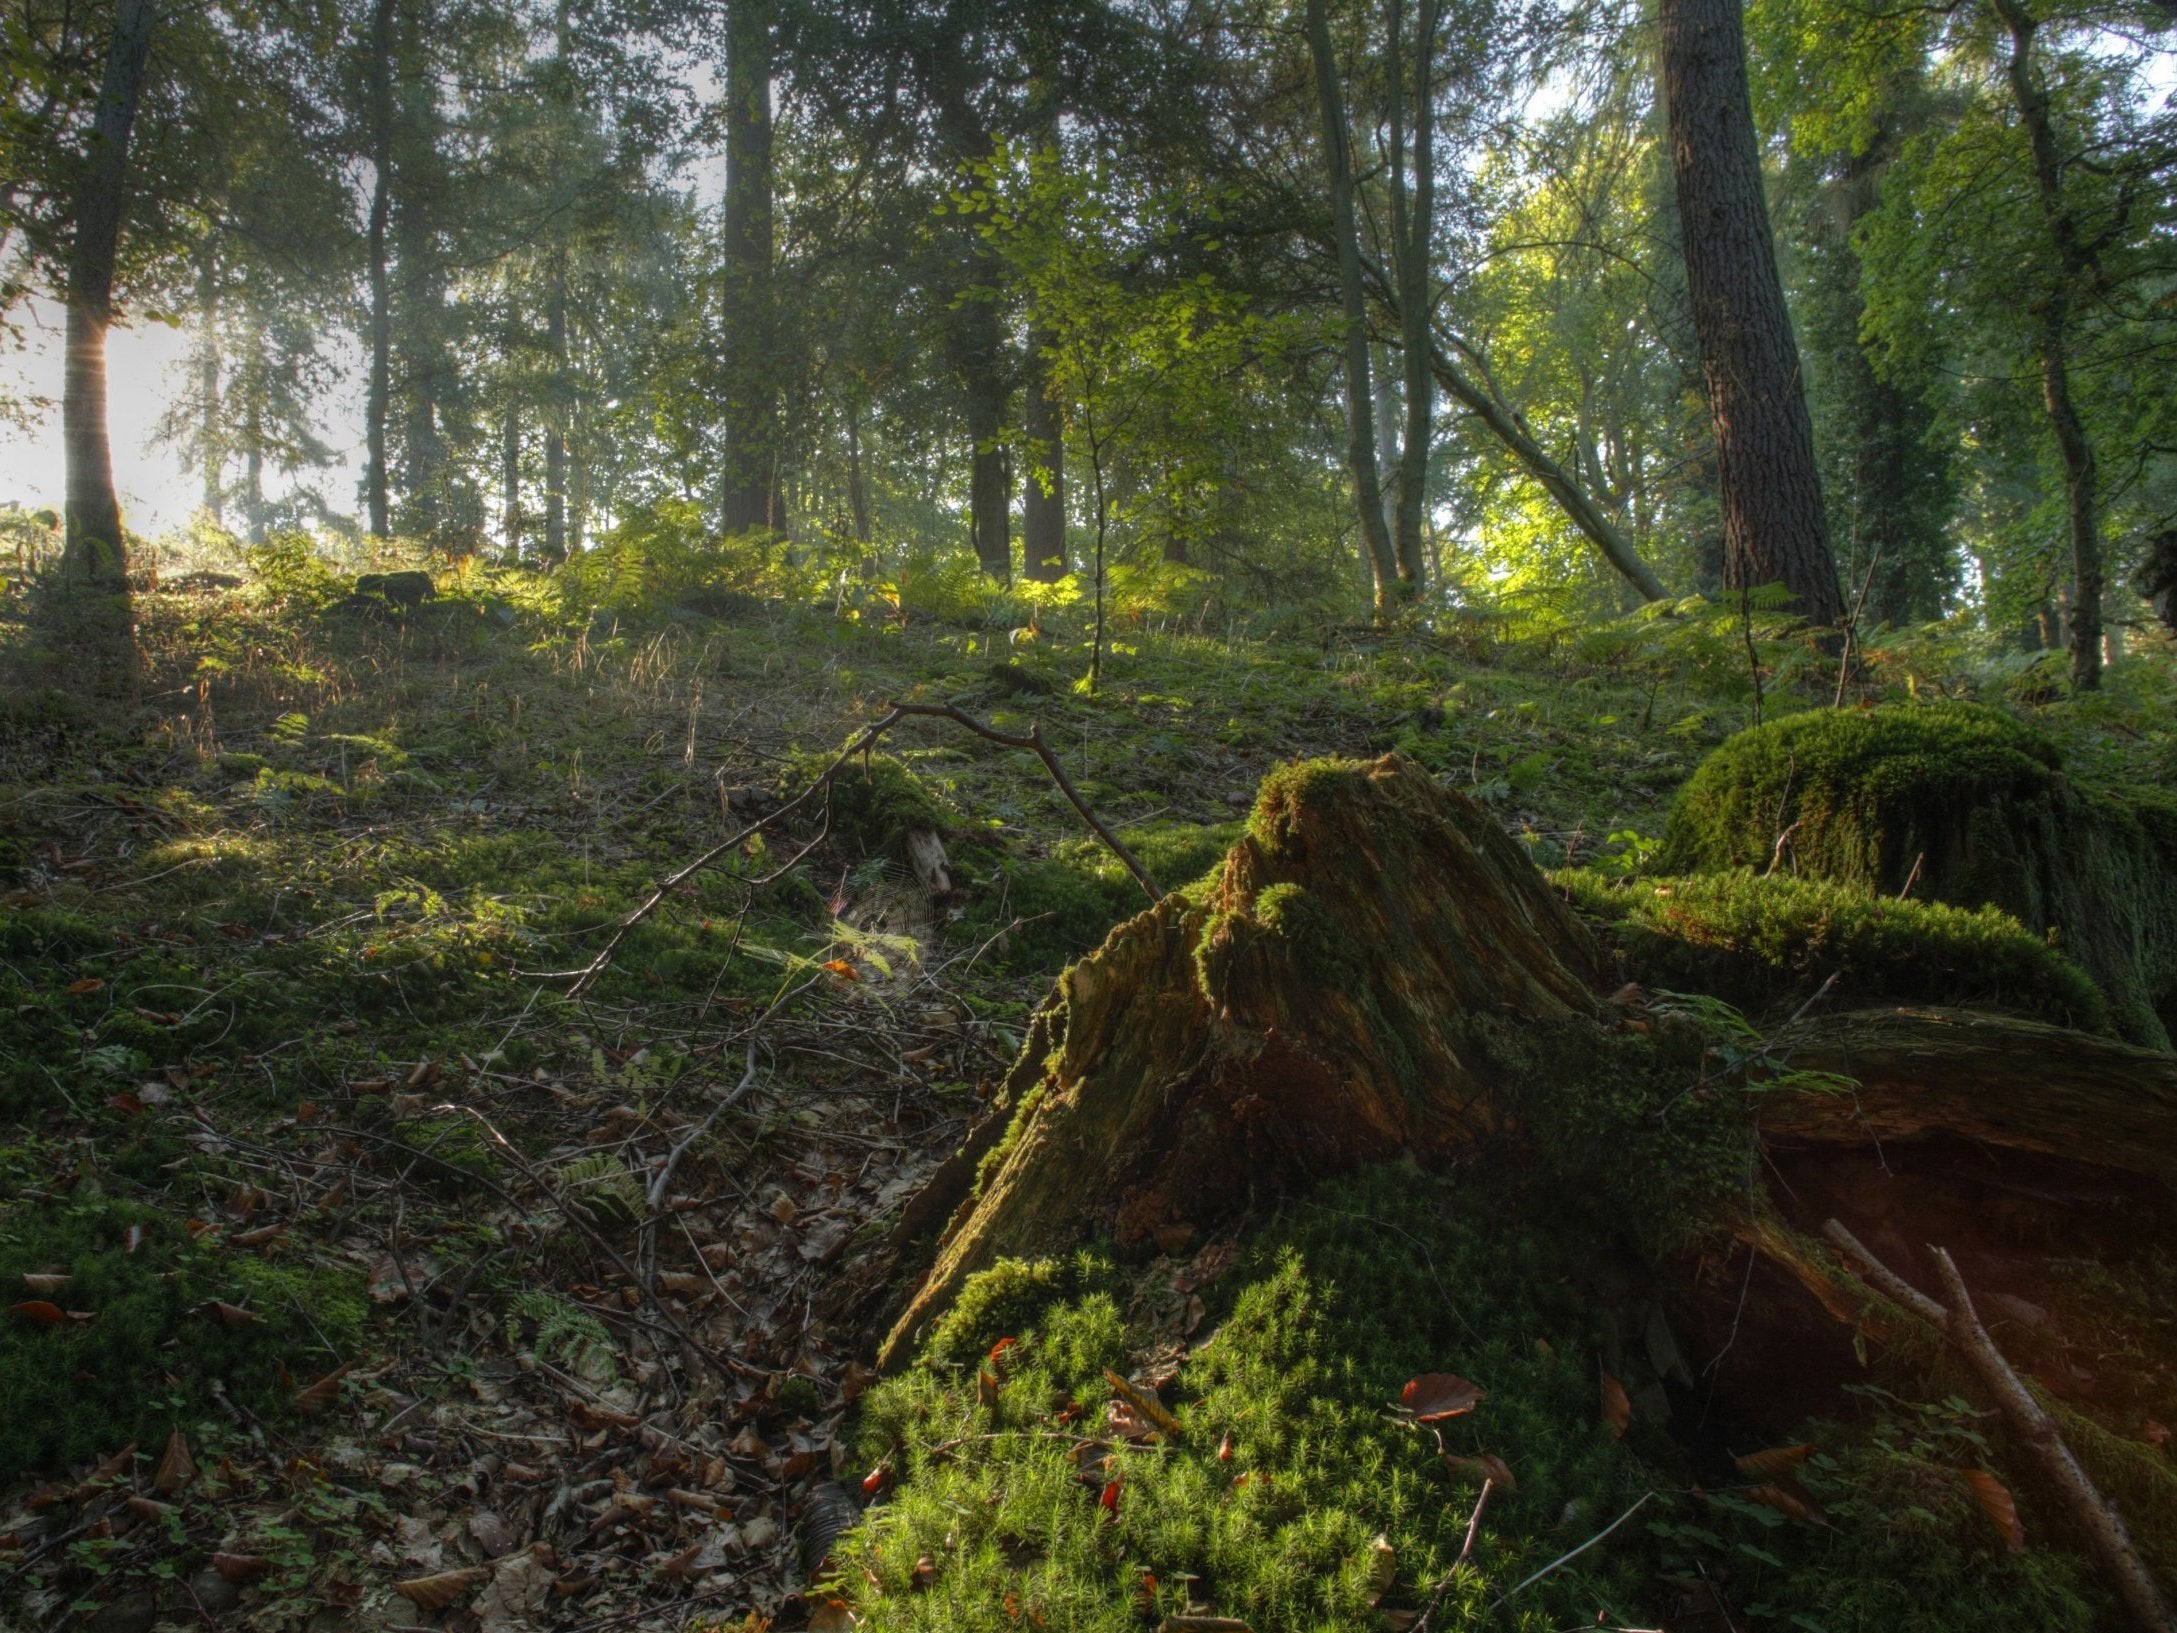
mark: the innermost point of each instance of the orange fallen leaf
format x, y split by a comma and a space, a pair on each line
241, 1569
1109, 1500
1995, 1501
1435, 1396
1617, 1409
127, 1104
1787, 1497
232, 1315
85, 987
841, 968
437, 1591
1777, 1463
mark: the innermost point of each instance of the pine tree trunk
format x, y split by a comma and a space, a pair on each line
555, 425
751, 390
1775, 529
95, 557
379, 394
510, 479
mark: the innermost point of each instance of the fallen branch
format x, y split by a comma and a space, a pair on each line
1961, 1324
1566, 1559
863, 742
646, 1252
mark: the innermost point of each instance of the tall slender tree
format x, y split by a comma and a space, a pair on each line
750, 339
1775, 528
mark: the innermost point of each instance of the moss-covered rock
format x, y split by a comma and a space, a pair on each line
1767, 942
1972, 808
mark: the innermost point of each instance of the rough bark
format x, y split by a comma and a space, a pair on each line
2075, 263
1360, 446
1775, 530
95, 558
751, 388
510, 479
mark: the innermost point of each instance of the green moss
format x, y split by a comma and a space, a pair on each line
1972, 808
875, 800
1316, 1331
1766, 943
146, 1361
1008, 1299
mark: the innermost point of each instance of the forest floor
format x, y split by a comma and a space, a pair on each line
359, 1276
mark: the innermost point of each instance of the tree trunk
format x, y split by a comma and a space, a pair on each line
1360, 449
95, 556
857, 487
510, 479
1775, 530
378, 399
990, 495
1043, 499
555, 422
1416, 250
2075, 264
751, 388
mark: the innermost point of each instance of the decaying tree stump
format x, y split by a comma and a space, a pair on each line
1365, 979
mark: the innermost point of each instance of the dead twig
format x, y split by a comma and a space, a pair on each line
864, 741
1961, 1324
647, 1249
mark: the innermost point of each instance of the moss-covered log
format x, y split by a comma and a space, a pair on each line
1955, 803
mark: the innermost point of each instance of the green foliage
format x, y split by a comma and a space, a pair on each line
146, 1361
601, 1185
1766, 943
550, 1328
1968, 806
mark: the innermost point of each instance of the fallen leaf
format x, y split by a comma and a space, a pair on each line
1777, 1463
826, 1615
127, 1104
43, 1311
986, 1387
1617, 1409
1109, 1500
924, 1573
1488, 1466
841, 968
873, 1482
176, 1467
314, 1397
85, 987
48, 1281
232, 1315
1995, 1501
2152, 1432
148, 1508
492, 1533
438, 1591
1382, 1568
1435, 1396
241, 1569
685, 1283
1787, 1497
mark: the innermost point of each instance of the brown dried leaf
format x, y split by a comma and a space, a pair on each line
43, 1311
148, 1508
1489, 1466
1777, 1463
1617, 1408
46, 1281
1435, 1396
176, 1467
1787, 1497
232, 1315
438, 1591
1145, 1404
1995, 1501
241, 1569
683, 1282
315, 1397
84, 987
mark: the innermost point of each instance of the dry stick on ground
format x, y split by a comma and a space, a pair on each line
646, 1252
1958, 1322
863, 742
